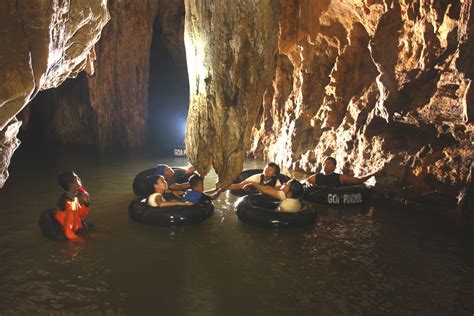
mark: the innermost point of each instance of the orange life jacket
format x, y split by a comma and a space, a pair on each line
71, 216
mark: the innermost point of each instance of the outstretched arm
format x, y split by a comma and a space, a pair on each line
179, 186
238, 186
159, 201
310, 181
349, 180
265, 189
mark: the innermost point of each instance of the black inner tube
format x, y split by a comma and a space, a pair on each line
141, 212
51, 228
261, 210
355, 194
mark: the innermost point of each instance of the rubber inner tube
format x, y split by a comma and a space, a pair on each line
248, 173
51, 229
141, 212
140, 186
261, 210
355, 194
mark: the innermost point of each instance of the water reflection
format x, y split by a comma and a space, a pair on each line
369, 259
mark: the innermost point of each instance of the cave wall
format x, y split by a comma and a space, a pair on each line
230, 49
377, 84
119, 88
110, 107
43, 43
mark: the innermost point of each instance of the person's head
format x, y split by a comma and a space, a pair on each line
329, 165
292, 188
196, 183
271, 170
69, 181
165, 171
157, 184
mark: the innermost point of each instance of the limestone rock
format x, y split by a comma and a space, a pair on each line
109, 108
119, 89
8, 144
377, 84
230, 49
43, 43
171, 19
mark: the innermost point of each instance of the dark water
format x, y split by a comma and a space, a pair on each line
376, 259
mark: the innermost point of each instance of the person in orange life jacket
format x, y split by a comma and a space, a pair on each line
160, 186
288, 194
195, 193
73, 205
329, 178
268, 177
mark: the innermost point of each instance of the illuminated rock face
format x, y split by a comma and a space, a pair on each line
43, 43
374, 84
230, 50
110, 108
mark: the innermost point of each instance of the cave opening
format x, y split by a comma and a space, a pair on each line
168, 85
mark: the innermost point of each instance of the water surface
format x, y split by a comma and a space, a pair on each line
372, 259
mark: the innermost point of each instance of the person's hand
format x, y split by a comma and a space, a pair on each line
83, 195
307, 184
190, 169
248, 186
178, 194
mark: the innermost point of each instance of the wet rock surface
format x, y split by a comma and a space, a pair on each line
230, 49
376, 84
43, 43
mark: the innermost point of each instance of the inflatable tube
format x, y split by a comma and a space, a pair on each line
140, 181
141, 212
51, 229
355, 194
260, 210
248, 173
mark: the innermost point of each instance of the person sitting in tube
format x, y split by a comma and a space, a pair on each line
269, 177
329, 178
160, 186
73, 205
196, 190
168, 173
288, 194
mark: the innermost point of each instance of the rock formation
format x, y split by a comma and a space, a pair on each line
377, 84
110, 108
171, 19
43, 43
230, 49
119, 89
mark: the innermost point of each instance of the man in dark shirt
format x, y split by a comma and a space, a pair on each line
331, 179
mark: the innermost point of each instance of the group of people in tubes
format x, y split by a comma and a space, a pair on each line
73, 204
